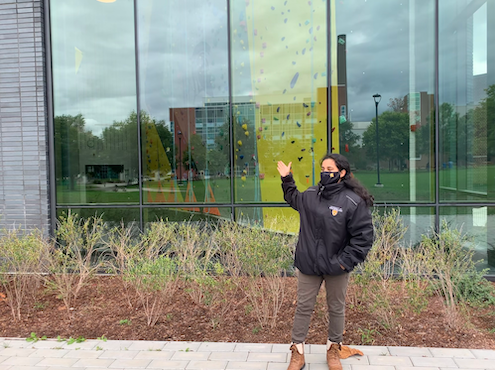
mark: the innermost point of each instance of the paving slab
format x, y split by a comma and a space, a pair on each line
117, 345
212, 346
49, 353
410, 351
17, 352
182, 346
213, 365
267, 357
129, 355
67, 362
416, 368
253, 347
483, 353
83, 354
374, 350
21, 361
167, 364
249, 365
433, 362
147, 345
372, 367
144, 355
92, 362
475, 363
355, 360
229, 356
452, 352
154, 355
390, 360
130, 364
324, 367
195, 356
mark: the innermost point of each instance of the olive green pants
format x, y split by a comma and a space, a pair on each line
308, 287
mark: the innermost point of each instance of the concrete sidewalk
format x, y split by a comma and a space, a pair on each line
17, 354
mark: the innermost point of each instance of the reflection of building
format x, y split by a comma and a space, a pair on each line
209, 121
359, 128
342, 77
421, 105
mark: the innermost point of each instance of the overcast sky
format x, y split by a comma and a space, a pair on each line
183, 56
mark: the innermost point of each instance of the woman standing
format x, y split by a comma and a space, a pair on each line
336, 233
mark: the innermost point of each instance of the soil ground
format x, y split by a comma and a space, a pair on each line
102, 309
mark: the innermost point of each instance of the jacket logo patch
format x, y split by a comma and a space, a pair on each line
335, 210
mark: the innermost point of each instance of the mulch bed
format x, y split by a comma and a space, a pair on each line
102, 307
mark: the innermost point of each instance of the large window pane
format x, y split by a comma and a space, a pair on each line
417, 221
283, 219
184, 100
467, 100
475, 223
113, 217
387, 51
94, 81
279, 87
184, 214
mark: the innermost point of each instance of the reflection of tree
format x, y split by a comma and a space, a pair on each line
203, 158
469, 136
398, 105
484, 124
77, 147
349, 145
70, 137
394, 138
166, 138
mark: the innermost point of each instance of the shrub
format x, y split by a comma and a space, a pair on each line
452, 272
154, 280
74, 257
21, 255
259, 259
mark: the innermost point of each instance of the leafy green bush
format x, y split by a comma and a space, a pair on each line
21, 256
154, 281
452, 271
75, 256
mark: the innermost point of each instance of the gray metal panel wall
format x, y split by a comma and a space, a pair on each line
23, 121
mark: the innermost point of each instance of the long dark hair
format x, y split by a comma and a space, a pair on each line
349, 180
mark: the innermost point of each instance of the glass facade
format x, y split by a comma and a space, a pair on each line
180, 109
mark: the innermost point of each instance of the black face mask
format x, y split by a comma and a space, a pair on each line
328, 178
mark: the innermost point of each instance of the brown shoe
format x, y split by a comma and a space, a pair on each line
296, 360
333, 357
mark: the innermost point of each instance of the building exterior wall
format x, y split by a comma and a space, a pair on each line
186, 119
23, 119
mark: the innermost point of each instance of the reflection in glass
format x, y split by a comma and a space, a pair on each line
475, 222
184, 214
94, 102
387, 51
467, 101
279, 88
416, 220
283, 219
184, 101
113, 217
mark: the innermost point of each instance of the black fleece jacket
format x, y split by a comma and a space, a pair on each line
335, 228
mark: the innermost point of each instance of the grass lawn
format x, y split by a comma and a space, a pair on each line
396, 188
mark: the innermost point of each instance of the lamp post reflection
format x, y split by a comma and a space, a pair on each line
377, 98
179, 135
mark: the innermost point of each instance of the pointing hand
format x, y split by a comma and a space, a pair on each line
283, 170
